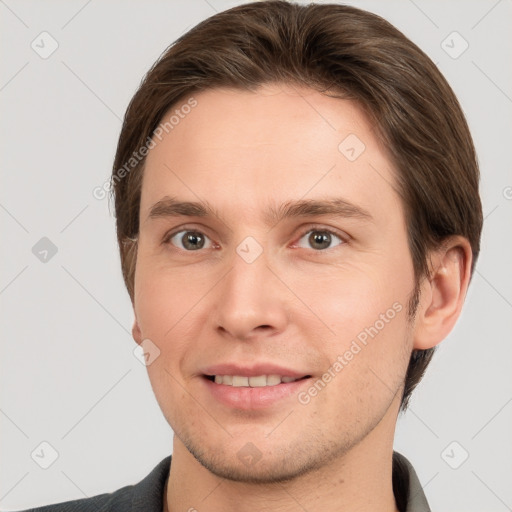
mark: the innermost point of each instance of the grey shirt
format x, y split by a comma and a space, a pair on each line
148, 494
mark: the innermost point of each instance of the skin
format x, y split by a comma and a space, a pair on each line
295, 305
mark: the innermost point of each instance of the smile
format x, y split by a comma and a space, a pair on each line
258, 381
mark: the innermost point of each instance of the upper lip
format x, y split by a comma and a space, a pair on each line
252, 370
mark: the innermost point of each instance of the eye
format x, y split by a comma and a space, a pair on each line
320, 239
188, 240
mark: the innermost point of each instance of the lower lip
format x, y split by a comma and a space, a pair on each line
247, 398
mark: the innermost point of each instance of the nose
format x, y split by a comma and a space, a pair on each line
251, 301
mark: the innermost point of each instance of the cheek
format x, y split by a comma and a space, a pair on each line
164, 305
367, 354
365, 308
171, 312
163, 296
351, 298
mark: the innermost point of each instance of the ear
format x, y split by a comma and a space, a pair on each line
443, 292
136, 332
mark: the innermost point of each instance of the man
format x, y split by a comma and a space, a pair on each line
297, 209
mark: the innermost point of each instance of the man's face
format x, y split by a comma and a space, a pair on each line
321, 297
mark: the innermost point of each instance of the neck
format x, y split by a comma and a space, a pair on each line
360, 480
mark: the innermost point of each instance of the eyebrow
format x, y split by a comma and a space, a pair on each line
335, 206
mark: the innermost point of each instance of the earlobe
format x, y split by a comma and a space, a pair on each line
443, 293
136, 332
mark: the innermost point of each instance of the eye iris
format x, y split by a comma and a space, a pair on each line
321, 238
195, 240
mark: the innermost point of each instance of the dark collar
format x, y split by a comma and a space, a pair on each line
409, 495
148, 494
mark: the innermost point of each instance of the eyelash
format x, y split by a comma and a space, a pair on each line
343, 238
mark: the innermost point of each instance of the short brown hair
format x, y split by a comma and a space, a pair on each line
327, 47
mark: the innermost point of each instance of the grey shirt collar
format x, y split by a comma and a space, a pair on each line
407, 488
148, 494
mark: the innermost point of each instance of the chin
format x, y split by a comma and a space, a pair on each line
276, 471
273, 465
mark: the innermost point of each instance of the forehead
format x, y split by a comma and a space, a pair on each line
280, 142
276, 114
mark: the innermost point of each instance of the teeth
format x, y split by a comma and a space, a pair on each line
272, 380
253, 382
258, 382
239, 381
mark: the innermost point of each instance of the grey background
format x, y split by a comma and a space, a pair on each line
68, 373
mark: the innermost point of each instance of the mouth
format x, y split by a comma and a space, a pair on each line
259, 386
255, 385
255, 381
